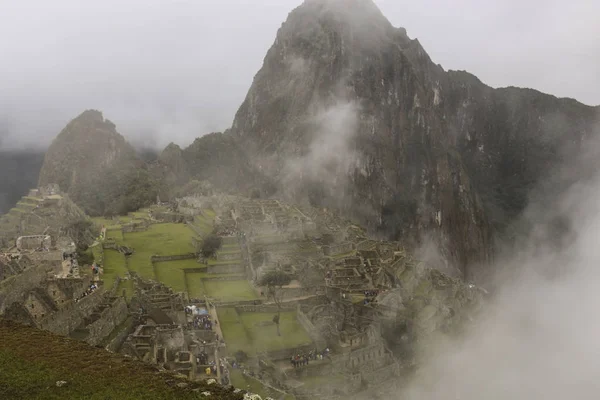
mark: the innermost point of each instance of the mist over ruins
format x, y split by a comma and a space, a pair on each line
371, 226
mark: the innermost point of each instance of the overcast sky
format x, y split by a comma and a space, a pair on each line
172, 70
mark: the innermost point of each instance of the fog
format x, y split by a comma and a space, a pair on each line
167, 70
539, 335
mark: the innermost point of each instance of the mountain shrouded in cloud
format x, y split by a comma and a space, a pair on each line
96, 166
347, 111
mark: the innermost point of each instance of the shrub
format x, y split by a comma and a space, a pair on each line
211, 245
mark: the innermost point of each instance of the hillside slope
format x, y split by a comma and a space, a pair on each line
31, 372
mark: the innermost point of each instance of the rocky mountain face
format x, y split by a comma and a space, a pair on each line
349, 112
96, 166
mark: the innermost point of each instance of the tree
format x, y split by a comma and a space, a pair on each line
274, 281
210, 245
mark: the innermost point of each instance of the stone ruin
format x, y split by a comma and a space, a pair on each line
165, 334
35, 242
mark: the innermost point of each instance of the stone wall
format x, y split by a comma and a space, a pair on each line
233, 256
240, 277
16, 288
310, 329
337, 249
117, 342
110, 319
295, 292
168, 217
34, 242
73, 314
286, 354
131, 228
196, 230
264, 308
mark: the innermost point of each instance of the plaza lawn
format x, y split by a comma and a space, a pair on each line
160, 240
229, 290
116, 234
170, 276
195, 287
255, 332
172, 273
114, 265
183, 264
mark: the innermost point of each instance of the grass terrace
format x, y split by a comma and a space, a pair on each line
255, 332
204, 224
114, 265
160, 240
229, 290
116, 234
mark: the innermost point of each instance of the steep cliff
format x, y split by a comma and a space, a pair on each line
96, 166
349, 112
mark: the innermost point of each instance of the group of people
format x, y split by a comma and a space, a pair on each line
91, 289
211, 369
202, 322
300, 360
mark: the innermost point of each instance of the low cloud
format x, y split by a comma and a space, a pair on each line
538, 337
330, 155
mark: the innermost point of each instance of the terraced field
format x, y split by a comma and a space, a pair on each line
255, 332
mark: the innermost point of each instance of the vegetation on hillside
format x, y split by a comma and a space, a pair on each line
90, 373
118, 192
211, 245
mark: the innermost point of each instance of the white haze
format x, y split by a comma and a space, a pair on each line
539, 337
166, 70
330, 155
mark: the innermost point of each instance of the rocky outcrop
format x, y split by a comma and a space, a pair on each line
96, 166
349, 112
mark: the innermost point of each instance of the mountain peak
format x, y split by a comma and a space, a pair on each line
353, 27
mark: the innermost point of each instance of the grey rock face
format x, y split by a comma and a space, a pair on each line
349, 112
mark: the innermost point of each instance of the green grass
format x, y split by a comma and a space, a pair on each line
195, 286
97, 251
230, 290
116, 234
26, 206
245, 331
114, 265
172, 273
183, 264
345, 255
160, 240
31, 200
210, 214
90, 373
172, 277
108, 223
203, 224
